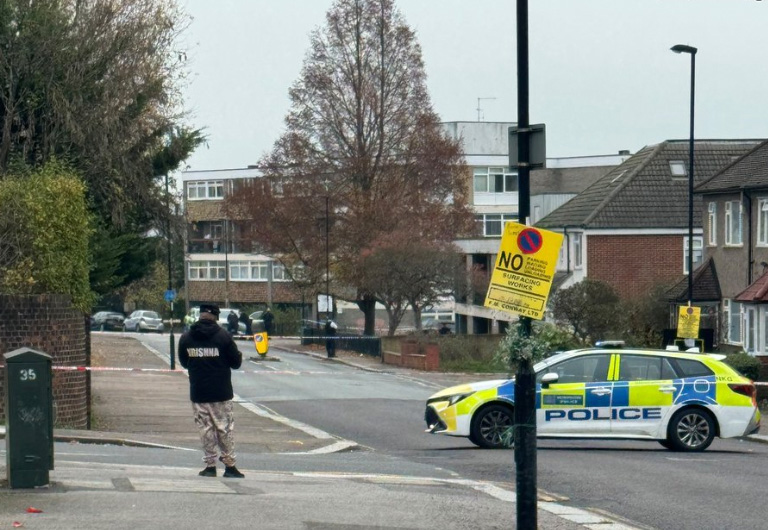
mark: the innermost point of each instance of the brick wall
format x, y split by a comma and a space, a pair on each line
414, 354
633, 265
243, 292
49, 324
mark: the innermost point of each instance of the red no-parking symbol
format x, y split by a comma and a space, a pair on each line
529, 241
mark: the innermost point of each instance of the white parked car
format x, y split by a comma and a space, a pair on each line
142, 320
223, 314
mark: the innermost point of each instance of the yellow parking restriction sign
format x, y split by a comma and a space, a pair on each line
688, 320
525, 267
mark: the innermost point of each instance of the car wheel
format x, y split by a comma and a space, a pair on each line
491, 427
691, 430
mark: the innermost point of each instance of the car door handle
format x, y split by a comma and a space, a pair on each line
666, 389
601, 391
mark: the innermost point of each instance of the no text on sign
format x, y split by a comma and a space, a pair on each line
525, 266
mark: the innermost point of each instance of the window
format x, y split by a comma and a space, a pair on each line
278, 272
210, 189
697, 253
645, 368
733, 321
492, 224
259, 270
762, 222
584, 369
678, 169
481, 180
494, 180
578, 254
712, 224
238, 270
733, 223
206, 270
690, 368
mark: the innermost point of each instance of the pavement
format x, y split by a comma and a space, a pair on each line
149, 408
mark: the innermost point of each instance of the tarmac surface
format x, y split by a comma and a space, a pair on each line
150, 409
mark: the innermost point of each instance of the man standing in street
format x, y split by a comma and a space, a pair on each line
330, 338
268, 319
208, 352
232, 323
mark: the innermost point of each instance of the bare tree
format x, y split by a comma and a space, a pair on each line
361, 131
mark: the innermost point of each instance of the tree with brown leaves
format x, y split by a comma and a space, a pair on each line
362, 134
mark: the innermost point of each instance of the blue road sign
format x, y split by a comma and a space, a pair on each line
170, 295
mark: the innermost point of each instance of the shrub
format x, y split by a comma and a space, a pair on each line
468, 353
747, 365
544, 339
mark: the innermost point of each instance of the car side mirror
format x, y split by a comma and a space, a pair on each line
549, 378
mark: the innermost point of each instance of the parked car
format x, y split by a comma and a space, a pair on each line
107, 321
681, 400
142, 320
223, 314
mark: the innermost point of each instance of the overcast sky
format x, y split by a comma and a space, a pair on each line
602, 77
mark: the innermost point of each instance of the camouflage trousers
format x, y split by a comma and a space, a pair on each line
216, 424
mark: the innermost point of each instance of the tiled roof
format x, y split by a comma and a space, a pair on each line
748, 172
642, 193
565, 180
706, 286
755, 293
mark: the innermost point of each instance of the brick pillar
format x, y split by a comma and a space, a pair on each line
48, 323
432, 359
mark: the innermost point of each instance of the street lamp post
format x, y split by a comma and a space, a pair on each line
682, 48
171, 344
327, 258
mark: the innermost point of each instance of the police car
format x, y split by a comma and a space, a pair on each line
680, 399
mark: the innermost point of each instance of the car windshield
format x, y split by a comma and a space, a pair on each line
150, 314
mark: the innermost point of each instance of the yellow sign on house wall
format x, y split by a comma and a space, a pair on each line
688, 319
525, 266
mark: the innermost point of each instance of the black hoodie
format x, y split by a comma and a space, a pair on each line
208, 352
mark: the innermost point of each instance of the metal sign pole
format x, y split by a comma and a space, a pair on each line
525, 380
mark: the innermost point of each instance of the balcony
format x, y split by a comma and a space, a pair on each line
221, 246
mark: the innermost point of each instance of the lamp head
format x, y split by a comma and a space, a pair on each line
683, 48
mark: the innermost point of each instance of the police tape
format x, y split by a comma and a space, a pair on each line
110, 369
180, 370
183, 370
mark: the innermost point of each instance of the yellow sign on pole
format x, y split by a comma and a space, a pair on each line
688, 320
525, 266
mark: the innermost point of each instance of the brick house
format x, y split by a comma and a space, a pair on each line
735, 204
630, 228
222, 265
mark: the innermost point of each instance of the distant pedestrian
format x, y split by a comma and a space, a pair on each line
209, 354
444, 330
245, 319
268, 319
330, 341
232, 323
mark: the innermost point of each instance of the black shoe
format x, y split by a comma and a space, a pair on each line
209, 471
232, 472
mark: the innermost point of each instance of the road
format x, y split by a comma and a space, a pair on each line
639, 481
